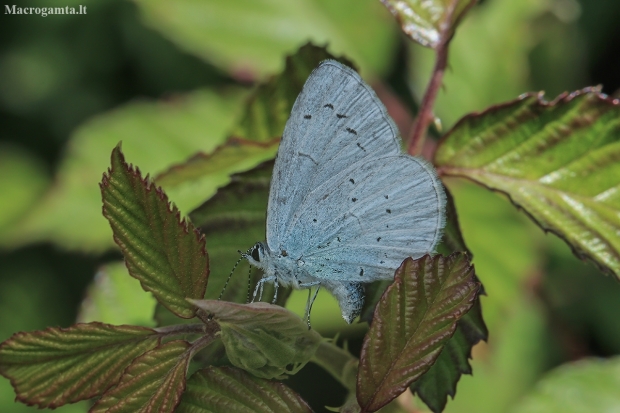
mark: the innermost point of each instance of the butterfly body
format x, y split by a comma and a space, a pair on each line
346, 206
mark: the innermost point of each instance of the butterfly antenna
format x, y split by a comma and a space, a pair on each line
230, 275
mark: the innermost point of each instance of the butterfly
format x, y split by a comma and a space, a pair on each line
346, 205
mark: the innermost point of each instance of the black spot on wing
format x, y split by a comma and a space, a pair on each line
361, 147
307, 116
353, 199
353, 131
329, 105
361, 272
340, 116
314, 220
386, 197
389, 211
378, 239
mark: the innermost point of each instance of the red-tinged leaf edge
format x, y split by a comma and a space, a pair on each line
102, 386
438, 337
541, 102
182, 308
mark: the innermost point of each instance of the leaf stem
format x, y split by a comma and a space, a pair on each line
337, 362
425, 115
178, 329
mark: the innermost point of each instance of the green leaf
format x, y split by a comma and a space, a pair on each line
22, 180
263, 339
440, 380
452, 240
154, 382
254, 140
56, 366
166, 253
413, 321
476, 77
588, 385
231, 220
429, 23
155, 135
227, 389
558, 161
116, 298
249, 37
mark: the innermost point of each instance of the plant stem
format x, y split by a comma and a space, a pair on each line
197, 328
337, 362
425, 115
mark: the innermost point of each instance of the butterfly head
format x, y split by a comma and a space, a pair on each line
256, 255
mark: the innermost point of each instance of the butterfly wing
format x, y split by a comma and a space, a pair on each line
359, 225
336, 121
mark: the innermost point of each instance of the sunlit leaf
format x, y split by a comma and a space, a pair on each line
589, 385
155, 135
263, 339
56, 366
558, 161
154, 382
254, 140
114, 297
413, 321
167, 254
428, 22
249, 37
228, 389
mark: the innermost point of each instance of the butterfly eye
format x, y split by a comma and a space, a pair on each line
256, 254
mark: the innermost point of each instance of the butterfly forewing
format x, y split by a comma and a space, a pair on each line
336, 121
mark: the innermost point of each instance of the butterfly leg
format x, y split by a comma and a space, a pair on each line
275, 291
310, 300
261, 284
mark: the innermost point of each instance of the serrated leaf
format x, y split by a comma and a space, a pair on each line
429, 23
231, 390
154, 382
56, 366
588, 385
254, 140
234, 219
114, 297
248, 38
167, 254
155, 135
556, 160
263, 339
413, 321
434, 386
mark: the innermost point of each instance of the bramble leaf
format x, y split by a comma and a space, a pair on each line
228, 389
556, 160
428, 22
264, 339
233, 219
413, 321
434, 386
154, 382
56, 366
155, 135
255, 138
166, 253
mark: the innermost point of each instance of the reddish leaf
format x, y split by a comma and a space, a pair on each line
166, 253
56, 366
414, 319
154, 382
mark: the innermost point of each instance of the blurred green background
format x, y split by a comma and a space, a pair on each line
169, 78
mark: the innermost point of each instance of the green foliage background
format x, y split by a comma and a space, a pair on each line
170, 82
